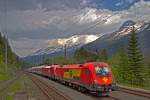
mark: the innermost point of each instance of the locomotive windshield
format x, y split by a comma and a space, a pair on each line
102, 71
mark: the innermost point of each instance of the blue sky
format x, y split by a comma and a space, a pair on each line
30, 23
115, 5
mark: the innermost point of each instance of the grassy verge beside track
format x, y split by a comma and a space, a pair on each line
12, 89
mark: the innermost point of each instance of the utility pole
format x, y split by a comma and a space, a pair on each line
6, 54
6, 40
65, 51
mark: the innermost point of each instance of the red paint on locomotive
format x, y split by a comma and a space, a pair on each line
94, 76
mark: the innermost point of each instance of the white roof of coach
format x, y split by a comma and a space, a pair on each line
47, 66
37, 67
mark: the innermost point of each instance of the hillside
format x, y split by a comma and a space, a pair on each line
113, 41
13, 60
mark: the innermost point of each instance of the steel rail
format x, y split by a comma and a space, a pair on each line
48, 90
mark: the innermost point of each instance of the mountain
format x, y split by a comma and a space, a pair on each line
113, 41
56, 47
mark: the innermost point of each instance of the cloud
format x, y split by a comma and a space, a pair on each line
122, 2
13, 5
42, 23
25, 46
57, 23
58, 19
140, 11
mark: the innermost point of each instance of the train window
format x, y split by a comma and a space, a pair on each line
66, 70
87, 71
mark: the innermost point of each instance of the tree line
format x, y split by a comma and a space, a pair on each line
13, 61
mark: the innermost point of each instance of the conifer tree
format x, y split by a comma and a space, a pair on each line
147, 70
103, 56
13, 62
83, 55
123, 65
135, 59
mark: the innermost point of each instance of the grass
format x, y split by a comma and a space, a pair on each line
4, 77
9, 97
17, 86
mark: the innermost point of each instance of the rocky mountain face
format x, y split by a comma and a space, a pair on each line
113, 41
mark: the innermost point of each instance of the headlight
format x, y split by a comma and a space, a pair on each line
96, 81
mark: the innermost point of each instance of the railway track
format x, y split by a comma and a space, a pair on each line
135, 92
106, 98
50, 92
46, 89
53, 94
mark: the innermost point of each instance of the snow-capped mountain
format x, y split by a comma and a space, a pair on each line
56, 47
120, 38
76, 41
124, 30
127, 27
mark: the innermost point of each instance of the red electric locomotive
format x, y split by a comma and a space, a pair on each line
95, 77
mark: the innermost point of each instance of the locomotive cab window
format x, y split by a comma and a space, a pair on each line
102, 71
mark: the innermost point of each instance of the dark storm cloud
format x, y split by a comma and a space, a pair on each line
59, 4
10, 5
